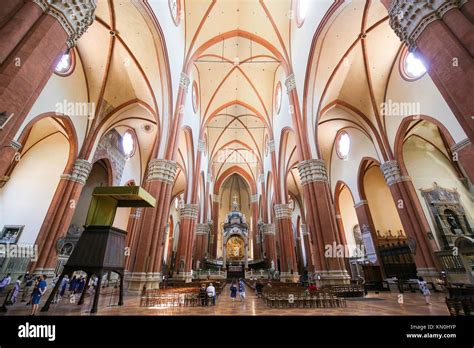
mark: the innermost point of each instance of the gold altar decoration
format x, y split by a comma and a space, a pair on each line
235, 248
106, 200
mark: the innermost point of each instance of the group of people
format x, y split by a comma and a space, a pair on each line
207, 294
239, 287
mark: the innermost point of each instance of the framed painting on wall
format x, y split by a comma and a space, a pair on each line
10, 234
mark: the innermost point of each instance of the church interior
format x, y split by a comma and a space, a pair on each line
236, 157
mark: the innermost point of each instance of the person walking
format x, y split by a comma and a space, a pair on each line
16, 290
39, 291
424, 290
5, 282
233, 291
241, 290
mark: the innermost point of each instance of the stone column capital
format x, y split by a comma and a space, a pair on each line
283, 211
304, 229
254, 198
189, 211
201, 145
361, 203
184, 81
80, 172
202, 229
75, 16
460, 145
409, 18
290, 83
268, 229
312, 170
391, 173
15, 145
271, 145
162, 170
215, 198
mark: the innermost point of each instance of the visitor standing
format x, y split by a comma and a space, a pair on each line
424, 290
39, 291
29, 280
233, 291
211, 293
241, 290
203, 295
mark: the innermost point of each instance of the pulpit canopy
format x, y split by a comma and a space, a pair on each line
106, 200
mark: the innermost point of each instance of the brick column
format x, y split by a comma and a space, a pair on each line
288, 264
270, 243
202, 233
443, 35
255, 241
146, 251
31, 44
413, 219
183, 263
215, 227
59, 216
322, 221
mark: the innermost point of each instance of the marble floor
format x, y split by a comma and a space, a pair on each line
381, 304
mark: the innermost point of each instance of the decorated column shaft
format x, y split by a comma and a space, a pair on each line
288, 265
268, 231
322, 221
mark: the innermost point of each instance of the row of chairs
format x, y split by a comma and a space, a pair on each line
457, 306
321, 299
171, 300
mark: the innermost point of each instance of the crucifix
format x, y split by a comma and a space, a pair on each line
235, 205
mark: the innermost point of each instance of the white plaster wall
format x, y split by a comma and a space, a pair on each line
27, 196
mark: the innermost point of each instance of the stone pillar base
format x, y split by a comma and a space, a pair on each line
135, 281
333, 278
187, 277
48, 272
288, 277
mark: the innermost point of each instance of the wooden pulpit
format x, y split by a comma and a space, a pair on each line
101, 247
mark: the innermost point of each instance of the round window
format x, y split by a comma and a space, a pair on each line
65, 65
411, 66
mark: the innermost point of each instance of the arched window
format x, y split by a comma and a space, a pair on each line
175, 8
278, 97
302, 7
128, 144
343, 145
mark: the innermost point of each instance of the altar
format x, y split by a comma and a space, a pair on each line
235, 240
